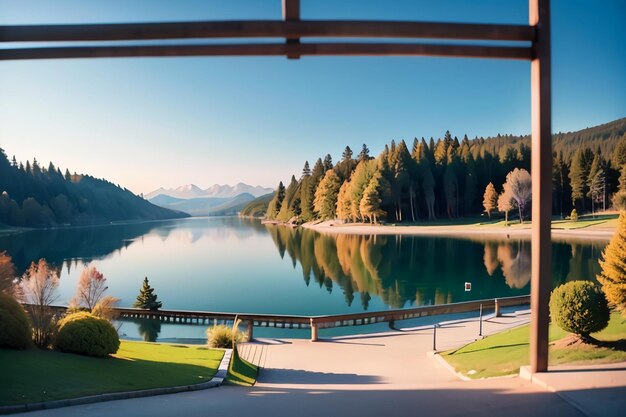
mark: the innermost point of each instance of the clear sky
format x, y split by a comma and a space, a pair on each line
150, 122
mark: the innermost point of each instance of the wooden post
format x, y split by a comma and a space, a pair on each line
541, 167
291, 13
497, 308
313, 331
250, 330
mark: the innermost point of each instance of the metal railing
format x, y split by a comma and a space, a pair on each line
315, 323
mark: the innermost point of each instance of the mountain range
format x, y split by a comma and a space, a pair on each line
215, 191
216, 200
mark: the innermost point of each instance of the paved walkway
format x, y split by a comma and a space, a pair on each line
383, 374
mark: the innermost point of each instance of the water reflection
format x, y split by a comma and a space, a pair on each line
233, 264
412, 270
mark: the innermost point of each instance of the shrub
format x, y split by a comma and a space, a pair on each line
221, 336
86, 334
579, 307
574, 216
16, 331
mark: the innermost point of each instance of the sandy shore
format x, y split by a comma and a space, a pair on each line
518, 231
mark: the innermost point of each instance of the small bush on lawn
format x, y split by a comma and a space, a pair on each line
86, 334
574, 216
16, 331
221, 336
579, 307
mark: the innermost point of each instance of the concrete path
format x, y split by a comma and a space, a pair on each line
382, 375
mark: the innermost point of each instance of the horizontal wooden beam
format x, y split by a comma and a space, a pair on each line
266, 29
312, 49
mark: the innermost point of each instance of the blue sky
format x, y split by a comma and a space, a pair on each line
153, 122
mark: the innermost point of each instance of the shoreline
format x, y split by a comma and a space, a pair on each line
470, 231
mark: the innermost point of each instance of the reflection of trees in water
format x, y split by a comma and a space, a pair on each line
514, 259
149, 329
570, 261
403, 270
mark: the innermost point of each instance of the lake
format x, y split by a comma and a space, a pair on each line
240, 265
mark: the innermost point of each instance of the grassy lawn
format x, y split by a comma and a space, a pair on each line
38, 375
242, 372
504, 353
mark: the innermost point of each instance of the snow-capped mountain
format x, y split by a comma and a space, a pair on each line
216, 190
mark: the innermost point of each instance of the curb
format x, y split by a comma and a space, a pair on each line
214, 382
437, 358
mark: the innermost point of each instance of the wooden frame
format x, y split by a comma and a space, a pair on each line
535, 47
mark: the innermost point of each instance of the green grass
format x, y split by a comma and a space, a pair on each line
504, 353
242, 372
39, 375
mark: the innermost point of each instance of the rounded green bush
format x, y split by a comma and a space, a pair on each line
15, 329
86, 334
579, 307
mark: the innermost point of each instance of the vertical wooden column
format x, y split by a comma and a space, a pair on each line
541, 166
313, 331
291, 12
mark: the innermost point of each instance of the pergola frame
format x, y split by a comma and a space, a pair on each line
535, 47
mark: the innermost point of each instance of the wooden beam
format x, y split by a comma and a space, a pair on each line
265, 29
312, 49
541, 167
291, 13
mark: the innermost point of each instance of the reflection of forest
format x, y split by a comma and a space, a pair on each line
410, 270
65, 246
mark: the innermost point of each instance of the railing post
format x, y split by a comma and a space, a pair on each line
497, 308
250, 330
480, 330
435, 336
313, 331
392, 324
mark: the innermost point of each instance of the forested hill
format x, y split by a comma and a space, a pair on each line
33, 196
602, 137
454, 177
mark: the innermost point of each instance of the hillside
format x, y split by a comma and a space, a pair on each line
258, 206
204, 206
32, 196
450, 177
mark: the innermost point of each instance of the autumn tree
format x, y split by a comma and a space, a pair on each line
370, 205
38, 288
519, 185
506, 202
7, 273
613, 264
91, 288
344, 202
490, 199
364, 155
326, 196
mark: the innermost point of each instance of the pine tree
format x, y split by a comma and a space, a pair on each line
490, 199
347, 154
579, 174
619, 199
613, 264
328, 162
364, 155
147, 299
370, 205
276, 203
306, 171
326, 196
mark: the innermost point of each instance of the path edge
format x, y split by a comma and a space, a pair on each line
216, 381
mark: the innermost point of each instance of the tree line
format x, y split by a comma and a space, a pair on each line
36, 196
452, 178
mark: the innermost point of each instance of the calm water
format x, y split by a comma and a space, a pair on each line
240, 265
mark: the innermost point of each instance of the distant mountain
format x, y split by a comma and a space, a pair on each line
215, 191
204, 206
34, 196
